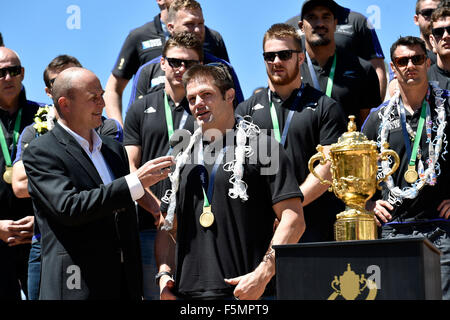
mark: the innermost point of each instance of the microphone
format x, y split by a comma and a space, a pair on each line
178, 142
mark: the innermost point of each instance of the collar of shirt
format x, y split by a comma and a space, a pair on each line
96, 141
96, 156
278, 102
183, 105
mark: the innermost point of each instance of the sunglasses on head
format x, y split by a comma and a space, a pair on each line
426, 13
417, 60
13, 71
283, 55
177, 63
439, 32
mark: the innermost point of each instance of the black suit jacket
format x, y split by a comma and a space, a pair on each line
87, 227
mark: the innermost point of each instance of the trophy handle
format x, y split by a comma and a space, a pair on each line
318, 157
384, 156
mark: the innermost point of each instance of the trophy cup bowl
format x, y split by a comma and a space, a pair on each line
354, 180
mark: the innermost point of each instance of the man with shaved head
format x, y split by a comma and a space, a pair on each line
16, 215
83, 196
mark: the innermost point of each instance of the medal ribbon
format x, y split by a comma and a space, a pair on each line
418, 137
5, 150
207, 197
412, 154
169, 120
273, 114
315, 81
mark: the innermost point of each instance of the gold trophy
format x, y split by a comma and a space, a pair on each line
354, 173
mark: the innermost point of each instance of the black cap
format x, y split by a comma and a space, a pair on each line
309, 4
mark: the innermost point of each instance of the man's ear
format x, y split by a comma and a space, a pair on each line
433, 43
416, 19
162, 63
229, 95
63, 103
170, 27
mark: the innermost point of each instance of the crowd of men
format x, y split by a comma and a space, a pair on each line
186, 197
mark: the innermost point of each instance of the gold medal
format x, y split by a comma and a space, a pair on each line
411, 174
7, 175
207, 217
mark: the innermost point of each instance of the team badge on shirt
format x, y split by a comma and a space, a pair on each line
150, 110
258, 106
151, 43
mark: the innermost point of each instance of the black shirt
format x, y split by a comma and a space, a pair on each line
146, 43
317, 120
355, 86
240, 236
353, 34
145, 126
12, 207
424, 206
441, 76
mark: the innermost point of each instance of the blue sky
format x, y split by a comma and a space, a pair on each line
94, 31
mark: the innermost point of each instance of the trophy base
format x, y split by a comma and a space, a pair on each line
355, 225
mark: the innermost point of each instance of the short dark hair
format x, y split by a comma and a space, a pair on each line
178, 5
1, 40
57, 64
185, 40
418, 4
408, 41
216, 71
440, 12
283, 31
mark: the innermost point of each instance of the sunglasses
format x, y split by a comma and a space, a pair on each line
417, 60
13, 71
177, 63
426, 13
439, 32
283, 55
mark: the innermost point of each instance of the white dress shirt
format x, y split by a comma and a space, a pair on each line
135, 186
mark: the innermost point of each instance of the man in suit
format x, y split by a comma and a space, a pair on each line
83, 198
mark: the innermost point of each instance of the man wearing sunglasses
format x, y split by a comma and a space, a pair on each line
422, 18
340, 74
181, 18
16, 215
415, 201
149, 124
300, 118
145, 43
440, 40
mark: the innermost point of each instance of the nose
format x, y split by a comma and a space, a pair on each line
198, 100
277, 59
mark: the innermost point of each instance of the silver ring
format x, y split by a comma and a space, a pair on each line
236, 298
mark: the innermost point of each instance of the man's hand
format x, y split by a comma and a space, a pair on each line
381, 209
444, 209
166, 285
248, 287
17, 232
154, 170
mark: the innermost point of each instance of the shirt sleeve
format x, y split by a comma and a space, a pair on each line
27, 135
132, 126
367, 43
332, 121
279, 172
128, 60
136, 189
372, 89
111, 128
